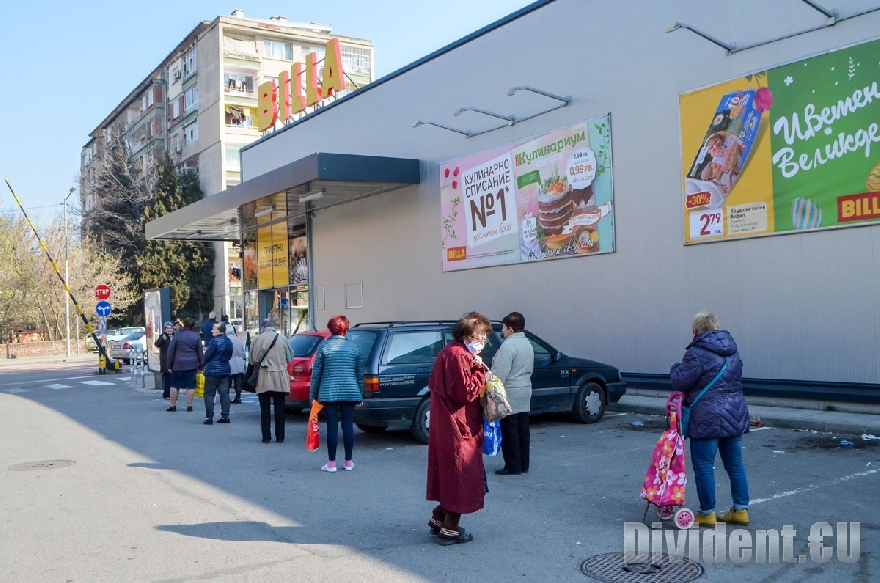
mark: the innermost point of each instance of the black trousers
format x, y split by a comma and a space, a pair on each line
268, 399
515, 442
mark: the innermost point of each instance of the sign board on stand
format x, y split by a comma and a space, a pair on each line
102, 291
103, 308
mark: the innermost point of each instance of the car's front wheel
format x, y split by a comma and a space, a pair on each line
589, 404
422, 421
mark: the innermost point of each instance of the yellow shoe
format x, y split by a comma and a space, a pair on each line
705, 519
736, 516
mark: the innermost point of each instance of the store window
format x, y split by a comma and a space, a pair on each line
282, 51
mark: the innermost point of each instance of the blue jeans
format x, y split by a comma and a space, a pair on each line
214, 385
331, 414
703, 458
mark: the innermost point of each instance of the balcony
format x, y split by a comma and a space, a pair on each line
242, 55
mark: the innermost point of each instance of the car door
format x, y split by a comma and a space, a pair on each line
407, 362
550, 383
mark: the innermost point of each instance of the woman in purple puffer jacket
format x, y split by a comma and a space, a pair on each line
718, 419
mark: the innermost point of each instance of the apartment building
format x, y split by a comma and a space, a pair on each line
199, 105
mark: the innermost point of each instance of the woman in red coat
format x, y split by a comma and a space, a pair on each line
456, 477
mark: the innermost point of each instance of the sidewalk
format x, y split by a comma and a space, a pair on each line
847, 418
26, 360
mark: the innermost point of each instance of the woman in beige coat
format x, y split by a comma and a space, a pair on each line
273, 382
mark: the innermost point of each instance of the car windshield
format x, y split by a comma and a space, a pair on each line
131, 330
304, 344
135, 335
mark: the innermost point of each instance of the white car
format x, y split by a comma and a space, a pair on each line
124, 348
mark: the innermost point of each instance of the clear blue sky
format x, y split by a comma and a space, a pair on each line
66, 65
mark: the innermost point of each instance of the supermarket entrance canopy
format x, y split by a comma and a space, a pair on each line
316, 182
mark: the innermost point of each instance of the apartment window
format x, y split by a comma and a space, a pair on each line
149, 127
175, 109
191, 98
175, 73
176, 142
235, 83
233, 160
189, 62
151, 97
356, 60
190, 133
274, 49
239, 117
143, 102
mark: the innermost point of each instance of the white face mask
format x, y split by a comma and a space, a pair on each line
475, 346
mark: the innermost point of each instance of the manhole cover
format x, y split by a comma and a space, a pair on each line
46, 465
650, 568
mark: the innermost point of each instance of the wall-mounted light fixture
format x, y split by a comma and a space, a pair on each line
728, 47
264, 211
512, 91
441, 126
508, 118
313, 195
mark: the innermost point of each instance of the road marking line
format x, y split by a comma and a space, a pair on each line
88, 376
96, 383
14, 391
813, 487
57, 386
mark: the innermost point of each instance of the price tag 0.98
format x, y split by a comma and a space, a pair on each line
706, 223
581, 168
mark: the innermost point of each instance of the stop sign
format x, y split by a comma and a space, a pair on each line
102, 291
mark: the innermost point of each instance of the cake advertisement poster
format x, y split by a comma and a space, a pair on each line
792, 148
541, 198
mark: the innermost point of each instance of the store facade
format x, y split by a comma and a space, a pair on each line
606, 174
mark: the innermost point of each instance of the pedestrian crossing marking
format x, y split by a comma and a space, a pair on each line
57, 386
97, 383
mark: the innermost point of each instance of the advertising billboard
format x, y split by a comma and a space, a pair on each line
541, 198
792, 148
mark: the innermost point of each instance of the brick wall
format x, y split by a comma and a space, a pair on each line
54, 348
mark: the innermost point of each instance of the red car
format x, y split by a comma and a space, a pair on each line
305, 346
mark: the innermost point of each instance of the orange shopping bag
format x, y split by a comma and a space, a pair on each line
313, 434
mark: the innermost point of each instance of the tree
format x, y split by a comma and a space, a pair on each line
185, 267
31, 293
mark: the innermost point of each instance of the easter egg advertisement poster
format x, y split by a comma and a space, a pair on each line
792, 148
541, 198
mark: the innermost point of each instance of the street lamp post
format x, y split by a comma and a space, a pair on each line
66, 276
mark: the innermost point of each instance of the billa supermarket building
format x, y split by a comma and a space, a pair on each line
606, 172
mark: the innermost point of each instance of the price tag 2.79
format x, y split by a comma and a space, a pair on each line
706, 223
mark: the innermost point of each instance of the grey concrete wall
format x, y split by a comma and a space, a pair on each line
800, 306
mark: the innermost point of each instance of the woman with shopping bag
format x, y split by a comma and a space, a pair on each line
270, 354
338, 384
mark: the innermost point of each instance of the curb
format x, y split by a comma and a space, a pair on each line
783, 418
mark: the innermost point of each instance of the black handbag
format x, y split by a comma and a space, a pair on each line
252, 373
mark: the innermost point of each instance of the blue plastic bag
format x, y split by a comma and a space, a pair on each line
491, 437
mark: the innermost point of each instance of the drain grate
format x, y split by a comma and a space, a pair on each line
648, 568
46, 465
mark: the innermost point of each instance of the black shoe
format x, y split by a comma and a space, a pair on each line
209, 422
267, 441
506, 472
236, 400
279, 441
172, 408
454, 538
189, 409
526, 471
167, 398
223, 420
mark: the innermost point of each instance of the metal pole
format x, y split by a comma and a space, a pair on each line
66, 276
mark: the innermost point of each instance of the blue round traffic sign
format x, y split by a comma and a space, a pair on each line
103, 308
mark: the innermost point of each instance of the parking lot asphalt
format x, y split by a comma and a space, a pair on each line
139, 494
